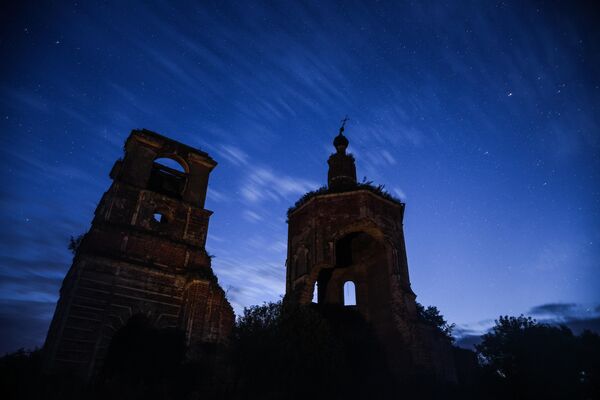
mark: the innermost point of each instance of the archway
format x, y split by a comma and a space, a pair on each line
139, 351
359, 276
171, 163
168, 176
349, 294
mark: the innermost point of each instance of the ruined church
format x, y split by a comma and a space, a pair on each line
144, 256
347, 240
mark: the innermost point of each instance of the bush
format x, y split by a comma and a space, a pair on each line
290, 351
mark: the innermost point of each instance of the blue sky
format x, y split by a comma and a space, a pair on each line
483, 116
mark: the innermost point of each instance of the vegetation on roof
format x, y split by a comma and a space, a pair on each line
364, 185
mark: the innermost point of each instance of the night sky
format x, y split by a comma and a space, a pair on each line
484, 117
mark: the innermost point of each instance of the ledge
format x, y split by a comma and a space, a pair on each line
322, 192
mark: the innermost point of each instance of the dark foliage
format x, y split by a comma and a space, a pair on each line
204, 273
522, 358
20, 374
142, 362
432, 316
74, 243
365, 185
290, 352
21, 378
281, 351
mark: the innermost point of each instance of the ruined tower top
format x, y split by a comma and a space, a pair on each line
143, 167
342, 171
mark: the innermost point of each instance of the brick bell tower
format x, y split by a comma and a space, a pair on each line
346, 247
143, 255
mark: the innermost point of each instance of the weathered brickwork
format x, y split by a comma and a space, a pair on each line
349, 233
144, 253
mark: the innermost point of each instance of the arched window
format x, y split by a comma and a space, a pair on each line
168, 177
349, 294
315, 298
170, 163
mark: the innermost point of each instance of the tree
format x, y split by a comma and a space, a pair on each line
278, 345
20, 374
289, 351
526, 359
432, 316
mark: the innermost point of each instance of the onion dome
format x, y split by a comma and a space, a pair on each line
340, 141
342, 170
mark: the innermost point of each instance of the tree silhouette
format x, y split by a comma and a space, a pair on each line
432, 316
526, 359
291, 351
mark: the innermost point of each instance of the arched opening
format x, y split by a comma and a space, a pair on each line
315, 298
168, 177
361, 261
160, 218
170, 163
140, 351
349, 294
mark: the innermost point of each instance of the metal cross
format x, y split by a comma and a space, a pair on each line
344, 123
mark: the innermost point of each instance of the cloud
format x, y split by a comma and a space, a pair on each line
468, 341
217, 196
263, 184
251, 216
388, 157
24, 323
255, 281
31, 100
232, 154
400, 193
278, 246
561, 309
576, 317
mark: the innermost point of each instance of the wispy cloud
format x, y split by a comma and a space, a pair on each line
31, 100
256, 282
567, 313
251, 216
264, 184
561, 309
217, 196
233, 154
400, 193
24, 323
577, 317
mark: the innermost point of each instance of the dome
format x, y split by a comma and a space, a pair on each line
340, 141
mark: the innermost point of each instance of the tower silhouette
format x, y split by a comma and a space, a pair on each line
144, 254
350, 236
